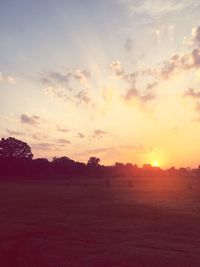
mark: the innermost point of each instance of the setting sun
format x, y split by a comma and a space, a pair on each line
155, 163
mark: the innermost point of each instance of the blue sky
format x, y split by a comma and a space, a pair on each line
118, 79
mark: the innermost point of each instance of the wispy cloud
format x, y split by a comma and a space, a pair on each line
82, 76
192, 93
197, 108
63, 141
143, 98
83, 97
58, 86
11, 80
194, 39
55, 78
57, 93
181, 62
43, 146
132, 92
15, 133
39, 136
60, 129
81, 135
98, 133
30, 120
164, 33
93, 151
196, 35
158, 7
117, 68
7, 79
129, 44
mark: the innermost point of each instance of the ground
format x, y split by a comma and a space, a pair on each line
92, 223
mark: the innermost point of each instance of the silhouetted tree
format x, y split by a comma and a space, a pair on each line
147, 167
40, 165
12, 148
183, 171
16, 160
63, 160
93, 161
119, 165
63, 165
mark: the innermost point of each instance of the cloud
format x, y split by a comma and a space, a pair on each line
98, 133
63, 130
152, 85
117, 68
57, 92
130, 94
81, 135
178, 63
15, 133
150, 72
197, 108
147, 97
11, 80
194, 39
129, 44
196, 58
57, 78
39, 136
93, 151
82, 76
60, 79
58, 86
196, 35
143, 98
154, 8
83, 97
131, 79
43, 146
191, 93
164, 33
170, 66
31, 120
195, 95
63, 141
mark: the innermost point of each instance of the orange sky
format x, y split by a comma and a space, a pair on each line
113, 79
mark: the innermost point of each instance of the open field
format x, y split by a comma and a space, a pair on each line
91, 223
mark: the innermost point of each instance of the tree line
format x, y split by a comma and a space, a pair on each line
16, 160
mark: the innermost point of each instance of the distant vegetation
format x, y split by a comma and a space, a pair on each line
16, 160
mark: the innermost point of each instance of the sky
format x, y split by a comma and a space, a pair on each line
116, 79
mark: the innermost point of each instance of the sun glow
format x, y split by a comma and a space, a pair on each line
155, 163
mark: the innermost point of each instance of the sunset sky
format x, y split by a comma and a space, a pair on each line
116, 79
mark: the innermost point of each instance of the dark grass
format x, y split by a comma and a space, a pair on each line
93, 223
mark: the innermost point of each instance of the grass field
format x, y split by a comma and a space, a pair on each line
93, 223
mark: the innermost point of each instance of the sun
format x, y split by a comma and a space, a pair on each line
155, 163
